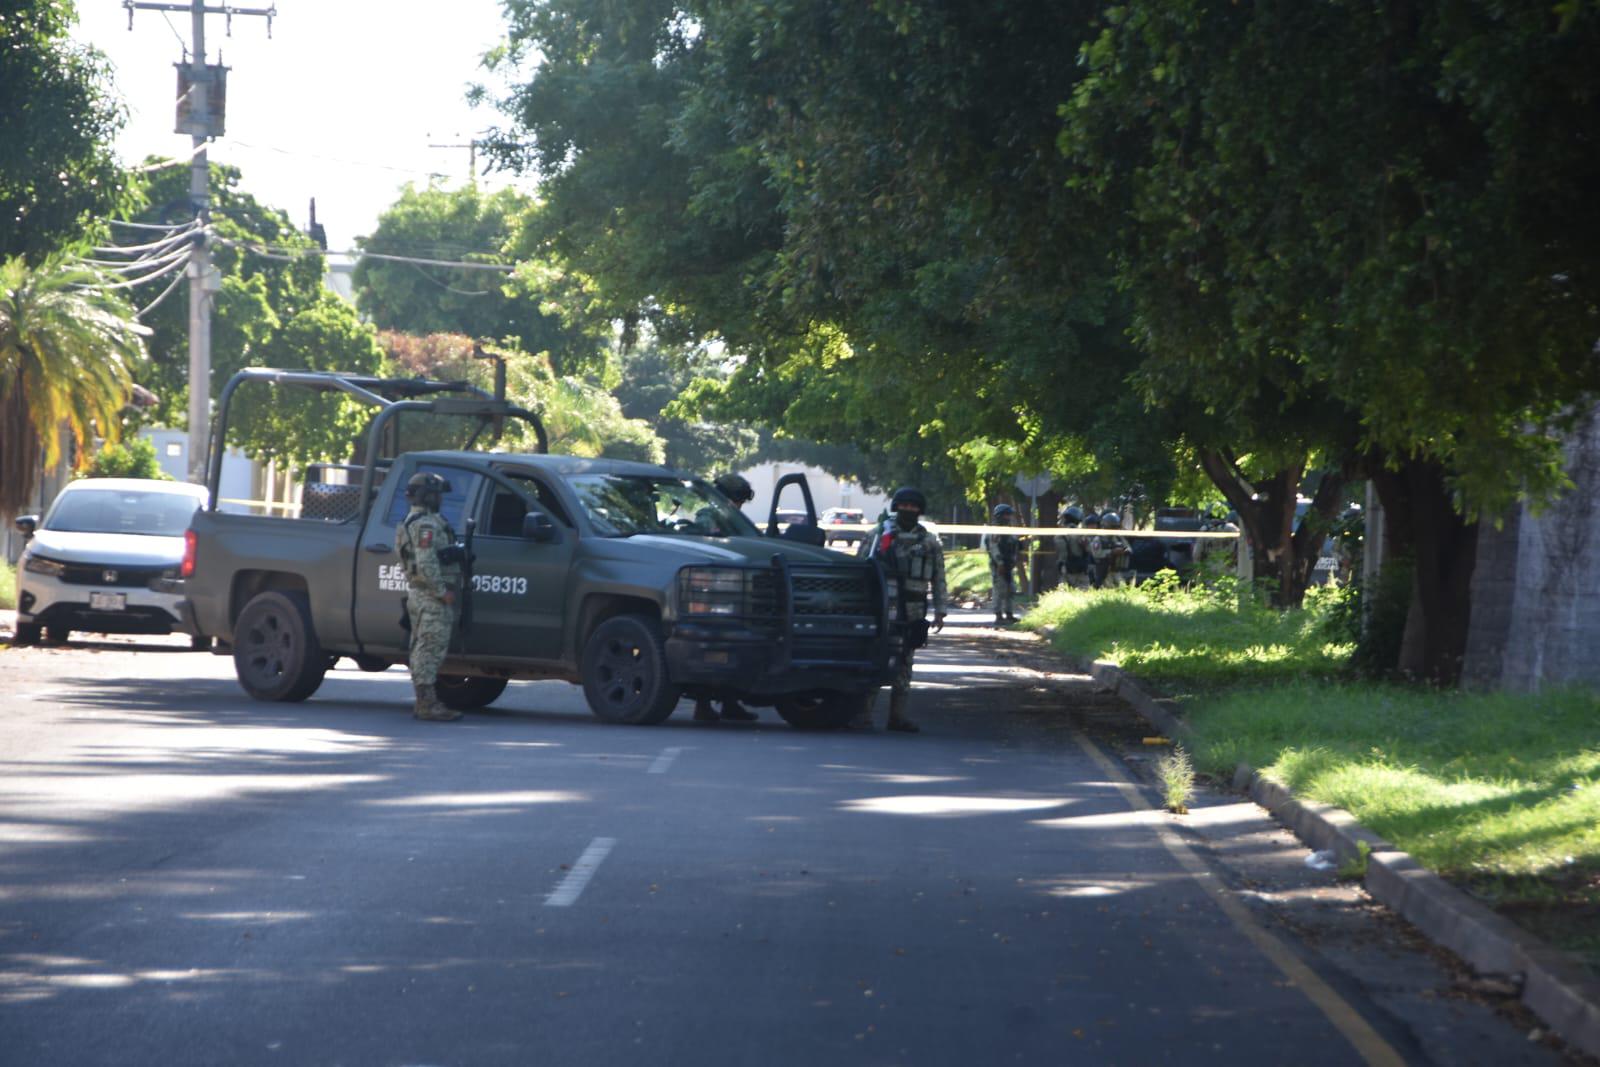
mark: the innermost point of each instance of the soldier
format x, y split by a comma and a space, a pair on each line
1116, 555
1003, 550
1072, 553
1091, 551
737, 489
432, 589
912, 553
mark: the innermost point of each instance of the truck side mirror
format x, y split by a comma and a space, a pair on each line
537, 527
26, 524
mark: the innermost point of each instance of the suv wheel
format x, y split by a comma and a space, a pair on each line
624, 671
58, 634
276, 653
465, 692
28, 633
822, 709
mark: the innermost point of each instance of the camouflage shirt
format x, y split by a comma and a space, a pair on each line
419, 539
917, 555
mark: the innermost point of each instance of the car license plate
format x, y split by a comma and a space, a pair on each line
108, 601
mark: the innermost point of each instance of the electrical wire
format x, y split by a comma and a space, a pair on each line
157, 248
162, 164
174, 265
446, 287
177, 278
267, 252
167, 227
150, 263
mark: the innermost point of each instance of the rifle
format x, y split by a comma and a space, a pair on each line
467, 559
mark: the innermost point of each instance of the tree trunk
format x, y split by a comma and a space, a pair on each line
1267, 510
1421, 521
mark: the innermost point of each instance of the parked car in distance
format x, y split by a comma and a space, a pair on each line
843, 517
94, 561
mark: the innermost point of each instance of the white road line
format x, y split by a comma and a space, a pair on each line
571, 888
660, 764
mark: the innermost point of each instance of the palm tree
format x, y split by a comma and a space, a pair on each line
67, 347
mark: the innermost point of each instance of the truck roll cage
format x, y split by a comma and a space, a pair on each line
392, 396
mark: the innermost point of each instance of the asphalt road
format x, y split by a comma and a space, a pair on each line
190, 877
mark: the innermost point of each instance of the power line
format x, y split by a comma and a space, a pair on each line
177, 279
275, 252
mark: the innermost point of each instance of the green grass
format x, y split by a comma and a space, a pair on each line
966, 573
8, 586
1498, 791
1179, 641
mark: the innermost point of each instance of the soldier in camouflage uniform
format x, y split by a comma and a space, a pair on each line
1114, 554
912, 552
433, 587
1003, 551
1072, 553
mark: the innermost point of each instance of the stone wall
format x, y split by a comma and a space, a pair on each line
1536, 588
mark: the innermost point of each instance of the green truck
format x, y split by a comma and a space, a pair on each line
640, 583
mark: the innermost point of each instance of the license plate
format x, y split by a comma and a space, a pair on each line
108, 601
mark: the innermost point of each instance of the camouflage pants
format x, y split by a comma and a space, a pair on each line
902, 675
1078, 580
1004, 595
431, 622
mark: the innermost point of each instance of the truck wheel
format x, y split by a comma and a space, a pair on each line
276, 653
57, 634
624, 671
465, 692
822, 709
370, 664
28, 633
200, 644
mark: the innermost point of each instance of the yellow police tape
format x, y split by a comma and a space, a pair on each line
1050, 531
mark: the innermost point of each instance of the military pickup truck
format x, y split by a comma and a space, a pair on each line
640, 583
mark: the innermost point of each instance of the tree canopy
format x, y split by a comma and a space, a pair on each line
58, 117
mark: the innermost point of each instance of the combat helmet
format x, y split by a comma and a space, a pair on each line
908, 497
735, 488
1073, 515
427, 489
1111, 521
1002, 511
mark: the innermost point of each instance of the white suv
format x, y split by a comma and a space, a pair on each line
96, 560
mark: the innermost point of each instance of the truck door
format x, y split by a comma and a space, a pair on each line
802, 526
380, 581
524, 547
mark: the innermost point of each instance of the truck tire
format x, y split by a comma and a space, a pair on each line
276, 653
822, 709
464, 692
624, 671
58, 634
28, 633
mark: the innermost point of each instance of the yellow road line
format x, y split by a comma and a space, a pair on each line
1372, 1048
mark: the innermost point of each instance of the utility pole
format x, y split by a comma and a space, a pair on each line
472, 156
202, 100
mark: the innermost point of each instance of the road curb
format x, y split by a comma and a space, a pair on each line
1554, 986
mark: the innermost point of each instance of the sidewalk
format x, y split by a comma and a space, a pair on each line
1555, 986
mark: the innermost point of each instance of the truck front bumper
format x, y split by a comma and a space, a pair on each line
760, 665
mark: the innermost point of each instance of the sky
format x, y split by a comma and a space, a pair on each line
340, 104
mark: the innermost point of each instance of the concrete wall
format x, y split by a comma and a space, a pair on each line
1536, 588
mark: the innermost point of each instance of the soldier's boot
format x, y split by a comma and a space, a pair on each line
898, 721
863, 718
733, 711
429, 709
703, 711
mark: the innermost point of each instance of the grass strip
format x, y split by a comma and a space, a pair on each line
8, 586
1201, 640
1500, 792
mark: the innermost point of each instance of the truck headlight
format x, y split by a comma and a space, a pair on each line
40, 565
712, 590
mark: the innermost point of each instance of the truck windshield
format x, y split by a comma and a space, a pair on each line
621, 505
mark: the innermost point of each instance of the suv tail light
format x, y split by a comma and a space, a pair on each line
189, 542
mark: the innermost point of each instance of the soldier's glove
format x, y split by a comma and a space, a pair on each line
938, 623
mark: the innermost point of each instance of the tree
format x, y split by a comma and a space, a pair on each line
58, 118
1379, 212
67, 349
468, 225
134, 459
862, 201
257, 291
580, 417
